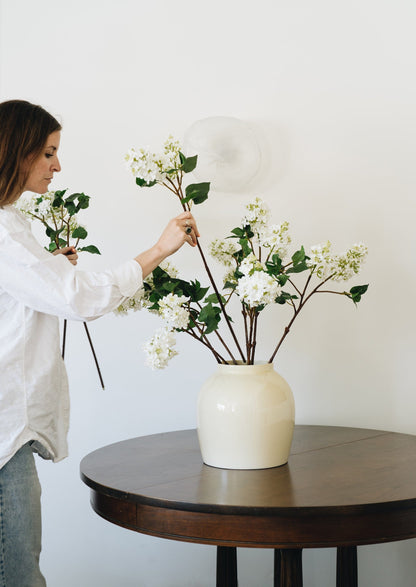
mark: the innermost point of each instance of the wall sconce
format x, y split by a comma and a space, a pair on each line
228, 152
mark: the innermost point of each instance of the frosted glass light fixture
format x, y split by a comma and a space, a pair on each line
228, 152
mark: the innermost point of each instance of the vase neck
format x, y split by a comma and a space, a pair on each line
243, 368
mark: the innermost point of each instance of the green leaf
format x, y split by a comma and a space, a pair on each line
210, 315
58, 199
248, 231
195, 291
83, 201
145, 184
299, 256
170, 286
71, 208
237, 232
282, 279
197, 192
79, 232
274, 267
303, 266
188, 163
356, 292
52, 247
230, 285
90, 249
71, 198
50, 232
213, 299
60, 193
284, 297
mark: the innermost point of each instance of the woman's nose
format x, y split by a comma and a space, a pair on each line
57, 165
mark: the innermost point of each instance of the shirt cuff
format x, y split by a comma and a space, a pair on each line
129, 277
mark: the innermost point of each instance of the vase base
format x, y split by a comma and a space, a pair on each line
245, 468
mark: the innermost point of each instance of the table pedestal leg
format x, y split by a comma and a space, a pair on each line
347, 575
288, 567
226, 566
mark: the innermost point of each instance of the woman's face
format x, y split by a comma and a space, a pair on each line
43, 167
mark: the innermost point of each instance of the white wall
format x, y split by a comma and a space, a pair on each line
329, 88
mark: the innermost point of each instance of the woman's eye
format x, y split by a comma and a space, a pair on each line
48, 155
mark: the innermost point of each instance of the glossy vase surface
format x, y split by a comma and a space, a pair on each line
246, 416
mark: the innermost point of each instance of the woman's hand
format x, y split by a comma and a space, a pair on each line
180, 230
69, 252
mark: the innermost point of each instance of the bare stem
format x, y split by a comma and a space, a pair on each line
304, 298
94, 355
220, 302
254, 338
217, 356
220, 339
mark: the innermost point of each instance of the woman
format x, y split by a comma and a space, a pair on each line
35, 288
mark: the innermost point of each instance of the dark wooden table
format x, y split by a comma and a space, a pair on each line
342, 487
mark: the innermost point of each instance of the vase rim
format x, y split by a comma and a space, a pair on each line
241, 365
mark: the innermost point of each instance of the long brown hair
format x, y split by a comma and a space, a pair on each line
24, 130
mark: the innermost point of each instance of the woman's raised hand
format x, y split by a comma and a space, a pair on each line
180, 230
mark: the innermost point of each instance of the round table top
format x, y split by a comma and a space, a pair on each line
361, 480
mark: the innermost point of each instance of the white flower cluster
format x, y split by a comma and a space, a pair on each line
150, 166
40, 206
250, 264
223, 251
34, 204
257, 215
159, 350
258, 289
139, 300
172, 311
340, 267
136, 302
171, 149
276, 238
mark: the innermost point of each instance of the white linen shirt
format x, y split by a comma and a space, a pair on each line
36, 288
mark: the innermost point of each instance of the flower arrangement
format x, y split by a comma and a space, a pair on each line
58, 213
260, 271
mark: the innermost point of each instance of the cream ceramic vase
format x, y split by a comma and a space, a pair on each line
246, 416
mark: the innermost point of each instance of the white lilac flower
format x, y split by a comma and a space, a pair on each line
24, 204
341, 267
44, 207
223, 251
159, 350
258, 289
136, 302
349, 264
276, 237
170, 269
250, 264
172, 148
257, 214
144, 164
36, 205
149, 166
172, 311
322, 260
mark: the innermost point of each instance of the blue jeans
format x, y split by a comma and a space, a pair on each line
20, 522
